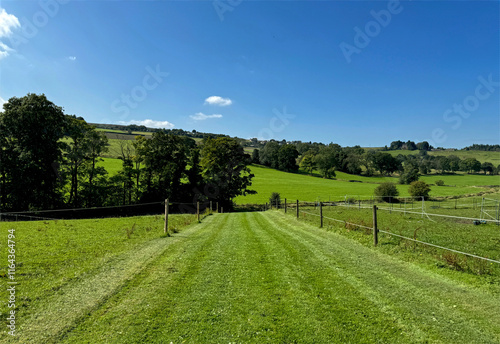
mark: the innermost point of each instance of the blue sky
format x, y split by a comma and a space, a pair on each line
348, 72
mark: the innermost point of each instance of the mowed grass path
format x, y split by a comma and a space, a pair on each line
267, 278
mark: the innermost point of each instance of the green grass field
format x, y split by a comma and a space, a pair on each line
303, 187
482, 156
69, 255
234, 278
309, 188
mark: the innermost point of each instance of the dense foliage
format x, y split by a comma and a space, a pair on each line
50, 160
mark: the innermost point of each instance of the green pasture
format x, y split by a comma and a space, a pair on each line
308, 188
304, 187
241, 278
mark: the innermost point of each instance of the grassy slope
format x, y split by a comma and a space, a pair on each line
266, 278
303, 187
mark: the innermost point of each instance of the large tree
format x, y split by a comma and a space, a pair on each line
225, 169
287, 158
385, 163
269, 154
165, 160
32, 128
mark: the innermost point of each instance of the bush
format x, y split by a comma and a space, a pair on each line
419, 189
275, 199
387, 191
439, 182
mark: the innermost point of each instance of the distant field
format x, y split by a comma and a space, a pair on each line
303, 187
309, 188
482, 156
112, 165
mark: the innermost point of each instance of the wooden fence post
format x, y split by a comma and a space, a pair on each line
222, 210
210, 207
285, 205
321, 214
375, 229
165, 230
297, 209
217, 206
198, 210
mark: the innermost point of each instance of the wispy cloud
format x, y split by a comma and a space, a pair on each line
72, 58
216, 100
2, 101
200, 116
4, 50
8, 22
150, 123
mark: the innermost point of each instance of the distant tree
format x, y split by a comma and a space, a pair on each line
255, 156
225, 166
395, 145
487, 167
307, 163
442, 164
287, 158
327, 160
454, 163
419, 189
470, 165
385, 163
439, 182
81, 153
410, 174
269, 154
410, 145
423, 146
97, 144
387, 191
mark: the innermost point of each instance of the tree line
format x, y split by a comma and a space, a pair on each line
142, 128
50, 160
327, 159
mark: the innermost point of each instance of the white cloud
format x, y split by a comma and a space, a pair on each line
2, 101
4, 50
72, 58
7, 23
200, 116
150, 123
216, 100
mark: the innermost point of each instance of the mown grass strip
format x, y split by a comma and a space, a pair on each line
432, 307
266, 278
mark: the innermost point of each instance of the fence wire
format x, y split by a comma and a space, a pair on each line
306, 204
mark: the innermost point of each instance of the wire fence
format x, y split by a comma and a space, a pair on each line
142, 209
325, 211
